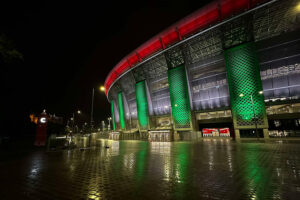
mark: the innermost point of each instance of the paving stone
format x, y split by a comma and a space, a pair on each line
142, 170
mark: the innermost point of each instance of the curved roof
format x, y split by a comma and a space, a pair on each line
203, 18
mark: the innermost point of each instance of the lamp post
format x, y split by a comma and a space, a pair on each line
253, 110
73, 124
92, 108
255, 119
109, 119
102, 89
73, 120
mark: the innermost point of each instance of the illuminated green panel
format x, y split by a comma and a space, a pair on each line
121, 110
179, 97
142, 104
113, 115
244, 80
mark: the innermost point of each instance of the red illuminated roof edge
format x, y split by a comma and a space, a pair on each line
174, 27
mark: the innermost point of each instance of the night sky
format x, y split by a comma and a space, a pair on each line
69, 47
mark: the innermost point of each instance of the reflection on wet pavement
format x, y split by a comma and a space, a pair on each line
209, 169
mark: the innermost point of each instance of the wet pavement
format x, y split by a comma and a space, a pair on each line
209, 169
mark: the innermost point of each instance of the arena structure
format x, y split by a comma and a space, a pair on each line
231, 69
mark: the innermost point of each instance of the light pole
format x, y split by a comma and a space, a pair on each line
73, 121
73, 124
255, 119
253, 110
109, 119
102, 89
92, 108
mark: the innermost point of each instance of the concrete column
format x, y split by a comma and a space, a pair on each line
266, 133
237, 134
176, 136
113, 115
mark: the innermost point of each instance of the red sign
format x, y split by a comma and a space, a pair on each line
225, 132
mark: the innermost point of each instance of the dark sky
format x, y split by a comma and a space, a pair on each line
70, 47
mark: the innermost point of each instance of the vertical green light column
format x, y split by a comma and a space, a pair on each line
121, 110
179, 96
113, 115
142, 105
244, 81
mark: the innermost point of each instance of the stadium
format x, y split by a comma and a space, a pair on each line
229, 70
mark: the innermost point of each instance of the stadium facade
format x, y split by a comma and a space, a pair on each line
231, 69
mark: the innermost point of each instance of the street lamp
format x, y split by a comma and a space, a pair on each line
102, 88
73, 119
92, 109
298, 7
109, 119
254, 116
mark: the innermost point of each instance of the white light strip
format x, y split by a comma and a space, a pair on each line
211, 98
290, 86
278, 45
279, 59
161, 79
205, 64
197, 79
156, 99
162, 108
62, 137
164, 131
160, 89
216, 86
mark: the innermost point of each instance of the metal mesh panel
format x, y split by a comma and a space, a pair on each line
154, 68
121, 110
237, 31
113, 115
142, 105
244, 81
180, 103
276, 19
127, 83
203, 47
174, 57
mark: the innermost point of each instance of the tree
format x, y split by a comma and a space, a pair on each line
8, 52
